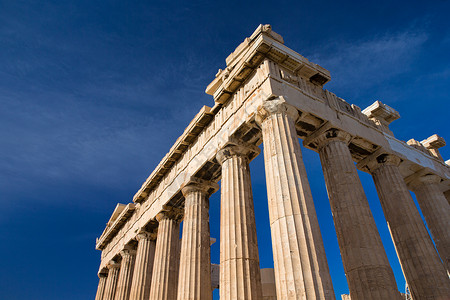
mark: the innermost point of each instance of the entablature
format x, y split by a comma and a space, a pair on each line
263, 43
260, 78
203, 117
119, 217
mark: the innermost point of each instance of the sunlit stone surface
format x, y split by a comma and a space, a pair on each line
269, 94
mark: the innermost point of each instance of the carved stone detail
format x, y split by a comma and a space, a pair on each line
239, 259
238, 149
143, 270
367, 268
111, 281
172, 213
269, 90
126, 273
436, 210
196, 185
194, 280
275, 106
423, 270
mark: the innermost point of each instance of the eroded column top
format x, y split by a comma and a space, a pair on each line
113, 265
172, 213
237, 148
378, 159
325, 135
277, 105
417, 180
128, 250
196, 184
147, 235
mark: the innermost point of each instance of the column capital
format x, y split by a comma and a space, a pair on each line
113, 265
128, 251
196, 184
102, 275
145, 235
325, 135
170, 212
416, 180
237, 148
378, 159
275, 106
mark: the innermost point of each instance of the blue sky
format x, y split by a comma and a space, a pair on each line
94, 93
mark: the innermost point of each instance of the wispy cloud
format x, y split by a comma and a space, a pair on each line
369, 62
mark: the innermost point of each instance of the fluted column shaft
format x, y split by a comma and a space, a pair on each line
423, 270
111, 281
142, 274
301, 268
369, 274
447, 196
126, 274
240, 276
194, 281
101, 286
165, 268
436, 210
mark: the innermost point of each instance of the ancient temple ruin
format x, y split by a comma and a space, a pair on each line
270, 94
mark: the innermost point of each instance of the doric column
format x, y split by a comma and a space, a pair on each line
143, 267
436, 210
194, 281
369, 274
423, 270
126, 274
111, 281
101, 286
447, 196
165, 268
240, 276
301, 268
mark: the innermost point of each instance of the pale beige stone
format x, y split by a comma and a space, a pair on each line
301, 266
436, 210
111, 281
194, 281
142, 274
433, 143
262, 68
369, 274
239, 260
404, 296
423, 270
101, 286
215, 276
166, 263
268, 284
126, 274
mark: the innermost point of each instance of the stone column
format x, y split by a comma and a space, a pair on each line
301, 268
369, 274
111, 281
194, 281
143, 267
240, 276
165, 268
101, 286
436, 210
447, 196
423, 270
126, 274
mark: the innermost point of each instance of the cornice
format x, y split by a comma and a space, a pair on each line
111, 230
195, 127
248, 55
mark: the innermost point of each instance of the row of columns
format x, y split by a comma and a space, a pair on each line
301, 268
